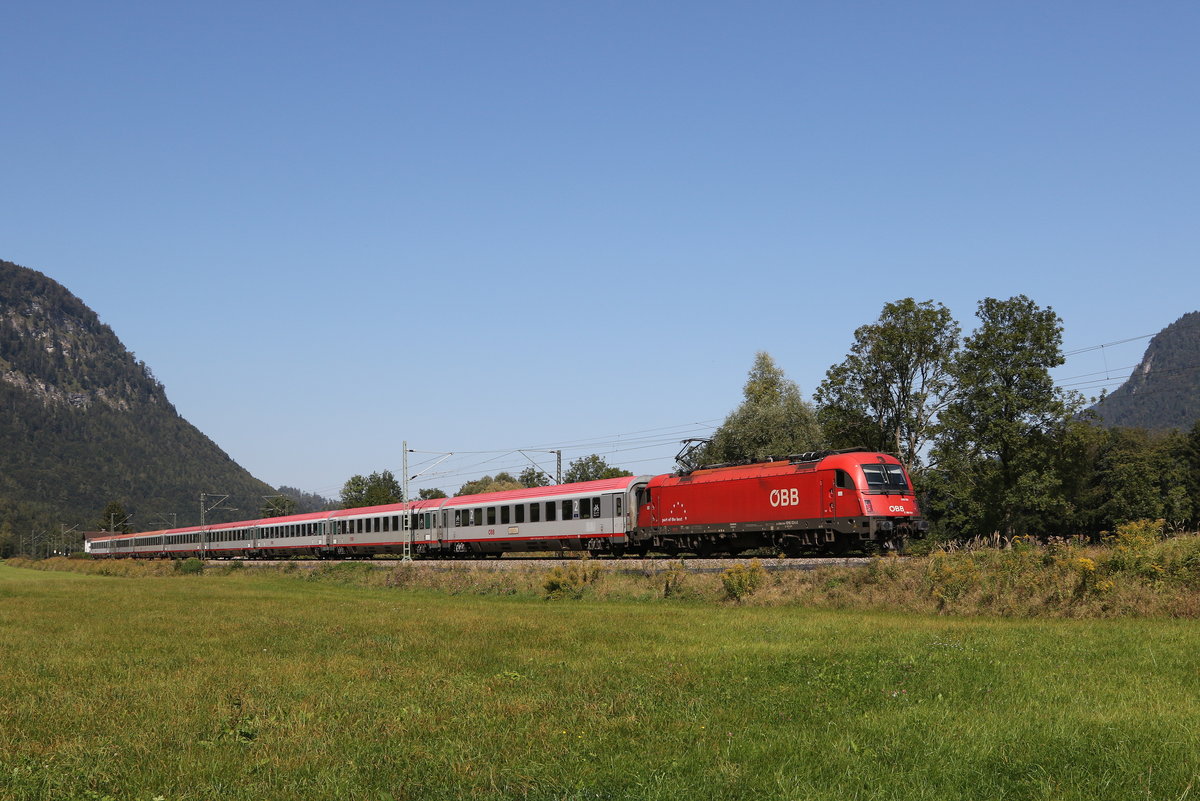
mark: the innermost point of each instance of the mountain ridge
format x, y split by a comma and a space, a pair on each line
1163, 391
83, 422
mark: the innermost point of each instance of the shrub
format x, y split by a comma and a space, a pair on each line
190, 567
743, 580
570, 581
1130, 548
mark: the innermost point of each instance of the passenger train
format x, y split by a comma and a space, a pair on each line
833, 501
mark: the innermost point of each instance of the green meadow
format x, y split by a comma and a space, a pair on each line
254, 684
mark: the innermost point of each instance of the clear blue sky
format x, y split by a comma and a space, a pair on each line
331, 227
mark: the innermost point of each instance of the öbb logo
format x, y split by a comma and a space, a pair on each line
785, 497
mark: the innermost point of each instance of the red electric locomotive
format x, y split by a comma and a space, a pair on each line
831, 501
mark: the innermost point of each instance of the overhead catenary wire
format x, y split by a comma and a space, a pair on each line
666, 437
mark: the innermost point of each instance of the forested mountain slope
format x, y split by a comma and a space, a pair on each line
83, 423
1164, 390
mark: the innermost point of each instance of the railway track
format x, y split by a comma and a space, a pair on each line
694, 564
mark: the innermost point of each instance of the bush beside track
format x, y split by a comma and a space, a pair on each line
1138, 571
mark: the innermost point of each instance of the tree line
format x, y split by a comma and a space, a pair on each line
382, 487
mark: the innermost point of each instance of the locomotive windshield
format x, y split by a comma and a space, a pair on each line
885, 478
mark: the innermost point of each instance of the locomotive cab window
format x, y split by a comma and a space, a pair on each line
844, 481
885, 478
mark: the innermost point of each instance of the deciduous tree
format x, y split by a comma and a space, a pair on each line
592, 468
376, 489
888, 392
533, 477
500, 482
995, 451
773, 420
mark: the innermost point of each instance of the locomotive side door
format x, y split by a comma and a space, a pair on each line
845, 496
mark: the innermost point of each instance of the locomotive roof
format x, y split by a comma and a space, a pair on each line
828, 461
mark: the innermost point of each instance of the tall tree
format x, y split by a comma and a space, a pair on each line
376, 489
772, 420
8, 540
591, 468
115, 518
888, 392
431, 493
1140, 477
995, 452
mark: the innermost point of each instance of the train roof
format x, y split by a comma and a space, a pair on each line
554, 490
506, 496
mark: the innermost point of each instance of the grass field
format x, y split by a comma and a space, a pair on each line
256, 685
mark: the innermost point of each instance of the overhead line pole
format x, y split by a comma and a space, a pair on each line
407, 516
63, 539
407, 554
204, 509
